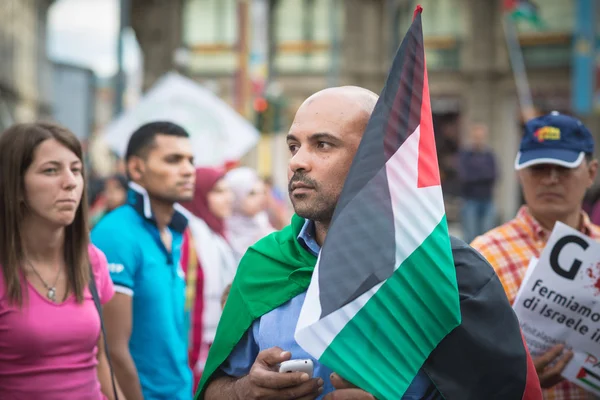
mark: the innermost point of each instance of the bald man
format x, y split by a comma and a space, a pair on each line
322, 141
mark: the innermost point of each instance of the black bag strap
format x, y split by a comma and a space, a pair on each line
94, 291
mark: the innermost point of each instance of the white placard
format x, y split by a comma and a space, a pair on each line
559, 302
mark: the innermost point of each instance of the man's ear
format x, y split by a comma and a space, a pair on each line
519, 177
135, 168
593, 171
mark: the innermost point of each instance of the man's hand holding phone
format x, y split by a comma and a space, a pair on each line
266, 382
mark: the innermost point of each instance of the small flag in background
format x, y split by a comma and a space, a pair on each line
375, 310
525, 10
589, 378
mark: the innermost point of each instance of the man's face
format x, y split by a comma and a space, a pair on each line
552, 191
479, 136
323, 139
167, 172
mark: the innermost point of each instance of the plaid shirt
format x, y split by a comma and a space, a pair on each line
509, 248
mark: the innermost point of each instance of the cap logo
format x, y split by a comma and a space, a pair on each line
547, 133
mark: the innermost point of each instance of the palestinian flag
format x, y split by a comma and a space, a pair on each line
525, 10
375, 311
589, 378
393, 294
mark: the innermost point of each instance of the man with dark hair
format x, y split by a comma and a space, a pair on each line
145, 325
144, 138
555, 167
477, 172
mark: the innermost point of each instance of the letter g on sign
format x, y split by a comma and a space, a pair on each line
560, 244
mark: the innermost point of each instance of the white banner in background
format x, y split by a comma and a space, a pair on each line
217, 131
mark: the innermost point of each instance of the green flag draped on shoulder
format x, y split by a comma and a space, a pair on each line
273, 271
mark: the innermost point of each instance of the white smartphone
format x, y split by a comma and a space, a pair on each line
297, 366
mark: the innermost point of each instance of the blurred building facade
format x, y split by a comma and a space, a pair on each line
25, 72
318, 43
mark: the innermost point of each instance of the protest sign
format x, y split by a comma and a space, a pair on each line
559, 302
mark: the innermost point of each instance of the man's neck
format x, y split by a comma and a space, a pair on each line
547, 222
163, 212
321, 229
42, 242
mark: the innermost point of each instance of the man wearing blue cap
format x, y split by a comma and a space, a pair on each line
555, 166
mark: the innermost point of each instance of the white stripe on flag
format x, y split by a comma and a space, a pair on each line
311, 309
315, 335
417, 211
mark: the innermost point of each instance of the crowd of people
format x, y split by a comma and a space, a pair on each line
131, 310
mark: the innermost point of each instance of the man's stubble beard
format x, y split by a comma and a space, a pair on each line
319, 209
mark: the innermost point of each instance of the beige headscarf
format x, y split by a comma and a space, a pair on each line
244, 230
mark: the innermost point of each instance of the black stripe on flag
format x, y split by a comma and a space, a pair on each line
360, 248
590, 373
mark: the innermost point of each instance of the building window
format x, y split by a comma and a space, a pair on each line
444, 26
304, 32
308, 20
210, 32
210, 22
440, 17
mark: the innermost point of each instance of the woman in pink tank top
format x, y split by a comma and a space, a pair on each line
50, 336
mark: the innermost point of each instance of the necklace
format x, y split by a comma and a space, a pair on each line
51, 289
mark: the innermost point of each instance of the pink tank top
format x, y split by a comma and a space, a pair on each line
47, 350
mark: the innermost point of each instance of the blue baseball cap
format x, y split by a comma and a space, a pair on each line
554, 139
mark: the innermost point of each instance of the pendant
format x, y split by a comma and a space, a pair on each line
52, 294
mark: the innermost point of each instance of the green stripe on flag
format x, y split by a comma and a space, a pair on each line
528, 13
527, 16
589, 383
391, 337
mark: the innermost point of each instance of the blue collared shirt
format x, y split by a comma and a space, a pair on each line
277, 328
140, 266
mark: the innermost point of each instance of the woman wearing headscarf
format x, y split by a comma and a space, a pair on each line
206, 214
249, 221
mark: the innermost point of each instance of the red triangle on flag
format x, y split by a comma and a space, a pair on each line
429, 173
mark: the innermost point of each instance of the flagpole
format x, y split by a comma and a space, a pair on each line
334, 70
518, 67
242, 84
124, 22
